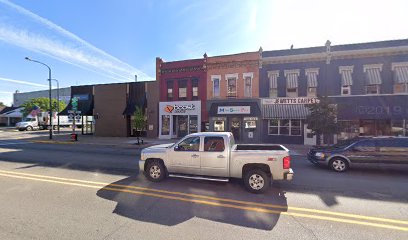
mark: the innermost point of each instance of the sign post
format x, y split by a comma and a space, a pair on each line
73, 112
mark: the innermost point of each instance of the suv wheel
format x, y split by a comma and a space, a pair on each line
155, 171
256, 181
339, 164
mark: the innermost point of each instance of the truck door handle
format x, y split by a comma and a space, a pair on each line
220, 156
194, 155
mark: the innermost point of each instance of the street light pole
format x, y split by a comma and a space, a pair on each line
49, 80
58, 100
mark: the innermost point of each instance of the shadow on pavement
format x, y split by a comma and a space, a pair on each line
171, 212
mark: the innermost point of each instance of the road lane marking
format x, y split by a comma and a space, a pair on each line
203, 202
348, 215
13, 143
219, 199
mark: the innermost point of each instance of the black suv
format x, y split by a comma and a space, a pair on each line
341, 156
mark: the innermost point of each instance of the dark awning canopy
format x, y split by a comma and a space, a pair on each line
136, 98
85, 100
285, 111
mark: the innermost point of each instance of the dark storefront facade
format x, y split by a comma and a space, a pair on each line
241, 117
85, 100
385, 115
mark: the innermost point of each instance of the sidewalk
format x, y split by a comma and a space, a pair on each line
131, 142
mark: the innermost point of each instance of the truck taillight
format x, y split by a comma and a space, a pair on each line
286, 162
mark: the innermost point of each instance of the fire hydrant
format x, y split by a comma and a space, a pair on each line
74, 137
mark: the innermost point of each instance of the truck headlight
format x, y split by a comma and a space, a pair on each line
319, 155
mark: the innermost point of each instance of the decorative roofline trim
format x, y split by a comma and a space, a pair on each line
322, 56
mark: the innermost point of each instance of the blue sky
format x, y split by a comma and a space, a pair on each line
104, 41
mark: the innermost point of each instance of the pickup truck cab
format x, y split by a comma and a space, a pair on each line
215, 156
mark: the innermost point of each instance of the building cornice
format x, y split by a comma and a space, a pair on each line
233, 64
335, 55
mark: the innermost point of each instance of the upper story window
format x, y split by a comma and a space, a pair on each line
248, 84
292, 82
169, 90
311, 74
373, 78
182, 90
400, 77
232, 85
346, 79
216, 79
194, 84
273, 83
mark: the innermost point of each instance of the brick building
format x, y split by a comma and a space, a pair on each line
183, 96
232, 93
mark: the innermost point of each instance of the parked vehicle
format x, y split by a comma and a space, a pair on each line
41, 121
373, 150
215, 156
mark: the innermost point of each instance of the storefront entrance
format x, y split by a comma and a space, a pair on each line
178, 119
235, 128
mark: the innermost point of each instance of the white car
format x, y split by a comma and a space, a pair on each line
215, 156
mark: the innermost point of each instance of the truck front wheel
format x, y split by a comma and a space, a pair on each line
29, 128
155, 171
257, 181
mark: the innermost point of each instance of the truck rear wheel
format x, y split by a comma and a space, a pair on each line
257, 181
155, 171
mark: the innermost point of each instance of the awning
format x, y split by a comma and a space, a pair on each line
85, 100
292, 80
401, 74
373, 76
346, 79
312, 79
285, 111
136, 98
273, 79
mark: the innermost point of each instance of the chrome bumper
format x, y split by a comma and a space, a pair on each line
289, 175
141, 165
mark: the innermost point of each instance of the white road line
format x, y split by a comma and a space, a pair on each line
13, 143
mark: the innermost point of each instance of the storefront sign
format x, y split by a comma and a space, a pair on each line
298, 100
234, 110
176, 108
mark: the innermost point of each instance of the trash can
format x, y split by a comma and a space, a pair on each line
74, 137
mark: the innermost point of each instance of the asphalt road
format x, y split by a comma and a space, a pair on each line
64, 191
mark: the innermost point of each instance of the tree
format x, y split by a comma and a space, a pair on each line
322, 119
43, 103
2, 104
139, 122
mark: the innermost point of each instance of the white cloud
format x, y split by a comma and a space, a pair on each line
68, 48
22, 82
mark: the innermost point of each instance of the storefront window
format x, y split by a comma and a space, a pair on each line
250, 124
165, 130
219, 126
193, 124
397, 128
284, 127
348, 129
295, 128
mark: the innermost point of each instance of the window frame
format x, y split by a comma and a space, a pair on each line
348, 88
195, 81
377, 88
404, 86
311, 93
290, 126
168, 84
215, 78
245, 77
295, 93
230, 77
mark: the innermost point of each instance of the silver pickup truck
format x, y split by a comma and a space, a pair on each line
215, 156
